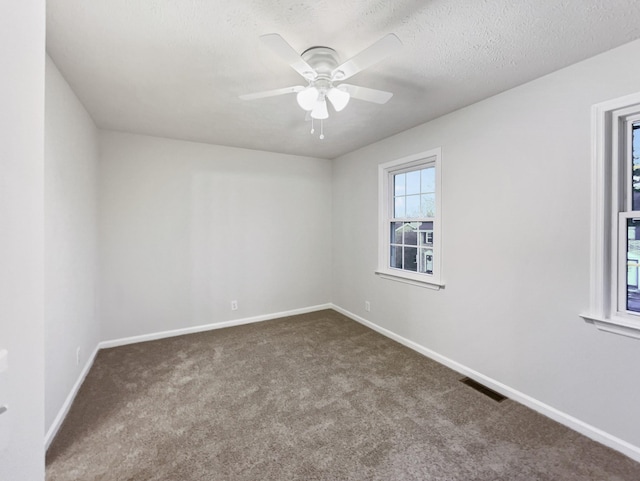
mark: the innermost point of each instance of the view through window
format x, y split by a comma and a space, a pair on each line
633, 225
410, 218
615, 217
411, 228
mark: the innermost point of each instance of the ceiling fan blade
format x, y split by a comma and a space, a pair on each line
279, 46
367, 94
369, 56
272, 93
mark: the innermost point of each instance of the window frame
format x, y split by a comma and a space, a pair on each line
610, 207
429, 158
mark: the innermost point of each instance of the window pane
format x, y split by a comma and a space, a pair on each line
413, 206
426, 226
396, 232
428, 180
425, 261
428, 205
636, 166
398, 184
398, 210
413, 182
410, 233
410, 259
425, 234
633, 259
396, 258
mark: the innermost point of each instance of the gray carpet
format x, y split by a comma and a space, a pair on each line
310, 397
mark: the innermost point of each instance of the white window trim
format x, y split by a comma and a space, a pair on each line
432, 281
606, 181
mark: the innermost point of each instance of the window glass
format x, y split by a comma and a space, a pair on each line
428, 180
411, 233
635, 175
633, 226
425, 234
413, 182
398, 184
396, 257
413, 206
410, 259
428, 205
414, 194
633, 261
412, 242
425, 261
398, 209
396, 232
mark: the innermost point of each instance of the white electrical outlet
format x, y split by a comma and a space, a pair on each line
234, 305
78, 356
367, 306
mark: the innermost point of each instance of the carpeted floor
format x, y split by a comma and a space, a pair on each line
310, 397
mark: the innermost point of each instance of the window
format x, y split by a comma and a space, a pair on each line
615, 217
628, 292
410, 219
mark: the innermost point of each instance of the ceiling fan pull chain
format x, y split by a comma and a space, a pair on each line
321, 129
312, 129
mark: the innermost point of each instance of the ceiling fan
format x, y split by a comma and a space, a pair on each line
321, 68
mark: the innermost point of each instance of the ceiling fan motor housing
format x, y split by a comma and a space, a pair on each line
323, 60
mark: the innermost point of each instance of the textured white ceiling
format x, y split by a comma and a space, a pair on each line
175, 68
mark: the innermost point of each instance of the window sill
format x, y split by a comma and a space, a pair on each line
615, 325
392, 276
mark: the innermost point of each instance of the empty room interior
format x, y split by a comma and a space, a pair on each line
317, 240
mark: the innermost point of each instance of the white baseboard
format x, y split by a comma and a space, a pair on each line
591, 432
64, 410
209, 327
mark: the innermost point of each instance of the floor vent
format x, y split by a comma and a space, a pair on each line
483, 389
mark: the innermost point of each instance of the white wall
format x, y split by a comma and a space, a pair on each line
22, 30
185, 228
70, 195
516, 200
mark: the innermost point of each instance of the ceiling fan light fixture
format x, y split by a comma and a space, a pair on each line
320, 67
339, 98
320, 110
308, 98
